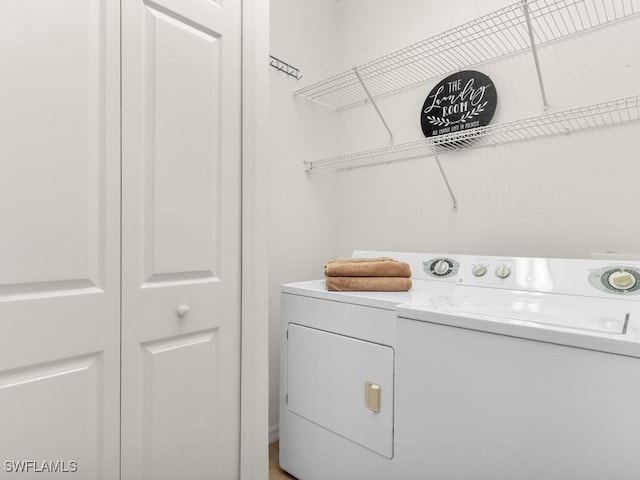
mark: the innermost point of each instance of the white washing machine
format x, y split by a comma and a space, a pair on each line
528, 369
337, 370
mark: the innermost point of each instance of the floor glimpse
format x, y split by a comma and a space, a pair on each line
275, 473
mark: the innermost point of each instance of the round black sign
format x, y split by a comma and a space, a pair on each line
460, 102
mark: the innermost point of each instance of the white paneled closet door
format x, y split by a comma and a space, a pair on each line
59, 238
181, 239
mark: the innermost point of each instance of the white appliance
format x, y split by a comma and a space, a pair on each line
528, 369
337, 370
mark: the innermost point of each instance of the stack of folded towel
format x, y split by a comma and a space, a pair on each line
380, 274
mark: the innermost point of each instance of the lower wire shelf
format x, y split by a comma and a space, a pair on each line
592, 116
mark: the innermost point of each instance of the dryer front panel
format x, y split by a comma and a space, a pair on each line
342, 384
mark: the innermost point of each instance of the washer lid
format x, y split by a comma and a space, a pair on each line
564, 311
599, 324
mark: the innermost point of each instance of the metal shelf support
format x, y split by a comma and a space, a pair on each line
446, 181
373, 102
284, 67
534, 52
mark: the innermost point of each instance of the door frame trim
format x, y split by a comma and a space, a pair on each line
254, 370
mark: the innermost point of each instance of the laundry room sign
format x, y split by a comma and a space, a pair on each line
462, 101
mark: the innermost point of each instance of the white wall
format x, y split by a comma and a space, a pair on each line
565, 196
562, 196
302, 210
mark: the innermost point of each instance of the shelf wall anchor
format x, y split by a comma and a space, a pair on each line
373, 102
534, 51
446, 181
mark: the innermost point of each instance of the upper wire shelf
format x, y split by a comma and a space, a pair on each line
489, 37
592, 116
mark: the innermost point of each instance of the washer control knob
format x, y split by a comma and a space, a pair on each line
622, 280
441, 267
503, 271
479, 270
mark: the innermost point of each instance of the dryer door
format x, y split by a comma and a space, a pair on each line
342, 384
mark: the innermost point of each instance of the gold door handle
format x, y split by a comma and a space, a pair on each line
372, 393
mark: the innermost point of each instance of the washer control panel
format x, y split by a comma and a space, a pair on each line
442, 267
604, 278
616, 279
552, 275
487, 271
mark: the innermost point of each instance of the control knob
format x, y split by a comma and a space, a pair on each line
503, 271
479, 270
442, 267
622, 280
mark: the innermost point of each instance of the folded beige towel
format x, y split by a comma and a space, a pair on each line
374, 284
367, 267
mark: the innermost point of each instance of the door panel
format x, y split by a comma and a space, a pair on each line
181, 239
53, 145
188, 432
42, 393
60, 234
182, 197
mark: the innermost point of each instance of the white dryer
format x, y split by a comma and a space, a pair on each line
337, 370
528, 369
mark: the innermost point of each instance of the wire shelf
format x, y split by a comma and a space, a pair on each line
489, 37
591, 116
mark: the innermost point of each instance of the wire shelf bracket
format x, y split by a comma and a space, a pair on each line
284, 67
446, 181
373, 102
534, 53
516, 28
